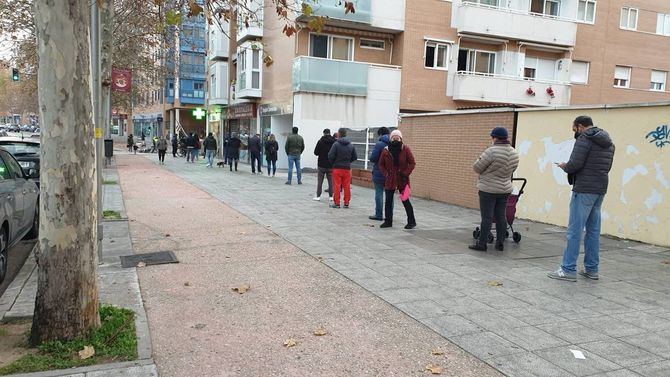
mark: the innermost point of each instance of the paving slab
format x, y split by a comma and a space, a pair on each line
564, 358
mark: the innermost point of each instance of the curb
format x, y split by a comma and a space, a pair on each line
16, 287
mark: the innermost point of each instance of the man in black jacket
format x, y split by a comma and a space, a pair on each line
341, 155
255, 152
590, 164
324, 166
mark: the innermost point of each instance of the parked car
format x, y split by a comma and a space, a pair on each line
27, 152
19, 209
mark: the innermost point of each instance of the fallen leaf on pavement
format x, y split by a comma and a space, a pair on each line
320, 331
434, 369
187, 284
437, 352
167, 235
242, 233
87, 352
199, 326
666, 262
288, 343
242, 289
320, 259
141, 264
495, 283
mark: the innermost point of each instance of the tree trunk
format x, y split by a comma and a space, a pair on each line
67, 294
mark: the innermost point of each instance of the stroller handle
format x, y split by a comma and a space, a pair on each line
523, 185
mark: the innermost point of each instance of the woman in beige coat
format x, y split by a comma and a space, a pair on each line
495, 168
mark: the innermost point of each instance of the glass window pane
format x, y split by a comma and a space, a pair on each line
483, 62
624, 18
256, 80
591, 12
318, 46
442, 56
632, 20
666, 29
256, 59
341, 48
581, 10
430, 55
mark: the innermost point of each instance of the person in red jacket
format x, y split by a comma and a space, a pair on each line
397, 163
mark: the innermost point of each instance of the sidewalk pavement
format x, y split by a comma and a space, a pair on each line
118, 286
201, 327
499, 306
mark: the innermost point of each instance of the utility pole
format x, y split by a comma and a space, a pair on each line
97, 113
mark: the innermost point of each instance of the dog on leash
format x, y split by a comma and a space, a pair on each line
221, 164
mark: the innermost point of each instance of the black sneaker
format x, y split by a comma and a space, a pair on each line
477, 247
410, 226
375, 218
500, 247
287, 183
386, 225
333, 205
346, 206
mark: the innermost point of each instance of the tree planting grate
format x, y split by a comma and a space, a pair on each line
160, 257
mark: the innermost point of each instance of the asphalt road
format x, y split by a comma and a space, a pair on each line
17, 256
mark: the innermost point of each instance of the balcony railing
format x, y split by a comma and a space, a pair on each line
335, 9
330, 76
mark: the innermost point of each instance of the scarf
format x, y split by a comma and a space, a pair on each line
395, 147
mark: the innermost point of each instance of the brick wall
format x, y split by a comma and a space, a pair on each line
445, 147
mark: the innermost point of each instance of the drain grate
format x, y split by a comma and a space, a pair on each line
160, 257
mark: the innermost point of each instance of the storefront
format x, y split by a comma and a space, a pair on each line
149, 125
241, 119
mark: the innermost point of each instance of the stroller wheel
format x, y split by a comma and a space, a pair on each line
491, 238
516, 237
507, 234
475, 233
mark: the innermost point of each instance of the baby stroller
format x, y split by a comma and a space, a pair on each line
510, 212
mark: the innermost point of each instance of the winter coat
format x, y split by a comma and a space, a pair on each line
162, 144
255, 145
396, 177
495, 168
591, 161
377, 176
131, 141
295, 145
196, 142
342, 154
174, 141
190, 141
322, 149
210, 144
233, 148
271, 149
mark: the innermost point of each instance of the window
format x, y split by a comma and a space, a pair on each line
256, 69
170, 89
436, 55
540, 69
663, 24
586, 11
373, 44
199, 90
579, 72
658, 80
212, 86
629, 18
14, 167
622, 77
493, 3
4, 171
548, 7
242, 69
331, 47
476, 61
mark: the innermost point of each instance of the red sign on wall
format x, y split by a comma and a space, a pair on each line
121, 80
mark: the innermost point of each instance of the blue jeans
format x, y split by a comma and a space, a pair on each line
379, 200
194, 154
209, 155
584, 213
294, 160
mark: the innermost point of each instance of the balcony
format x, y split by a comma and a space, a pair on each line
479, 87
319, 75
334, 9
382, 15
473, 18
253, 29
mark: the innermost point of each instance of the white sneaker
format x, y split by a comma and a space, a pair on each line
317, 199
331, 199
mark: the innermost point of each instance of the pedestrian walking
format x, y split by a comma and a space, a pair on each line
233, 150
196, 148
210, 146
154, 144
325, 167
130, 142
255, 152
590, 163
341, 155
271, 152
294, 147
495, 168
174, 145
378, 178
190, 144
161, 146
144, 137
396, 163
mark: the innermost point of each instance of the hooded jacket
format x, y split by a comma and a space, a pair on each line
342, 154
377, 175
210, 143
591, 161
322, 149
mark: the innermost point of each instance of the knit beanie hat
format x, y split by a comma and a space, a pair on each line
500, 133
396, 133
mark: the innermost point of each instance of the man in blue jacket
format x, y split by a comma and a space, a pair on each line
377, 176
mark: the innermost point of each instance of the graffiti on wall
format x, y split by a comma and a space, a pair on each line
660, 136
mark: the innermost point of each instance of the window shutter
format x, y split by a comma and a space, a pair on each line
622, 73
658, 76
579, 72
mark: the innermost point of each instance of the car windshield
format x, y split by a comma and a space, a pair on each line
18, 148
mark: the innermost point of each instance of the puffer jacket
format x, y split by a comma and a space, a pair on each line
591, 161
342, 154
495, 168
377, 175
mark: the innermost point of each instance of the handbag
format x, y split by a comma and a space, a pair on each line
405, 194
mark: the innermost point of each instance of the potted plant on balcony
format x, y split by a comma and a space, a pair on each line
550, 92
530, 91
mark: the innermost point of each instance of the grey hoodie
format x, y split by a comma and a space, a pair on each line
342, 154
591, 161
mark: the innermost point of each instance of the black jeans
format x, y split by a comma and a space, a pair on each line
256, 161
491, 205
174, 150
161, 155
274, 166
328, 173
388, 209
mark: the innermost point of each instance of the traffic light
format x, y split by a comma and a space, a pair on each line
15, 74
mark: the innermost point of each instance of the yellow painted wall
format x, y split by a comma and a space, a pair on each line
637, 204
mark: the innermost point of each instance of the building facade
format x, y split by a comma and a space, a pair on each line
399, 56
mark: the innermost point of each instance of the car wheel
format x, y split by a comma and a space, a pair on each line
35, 229
3, 255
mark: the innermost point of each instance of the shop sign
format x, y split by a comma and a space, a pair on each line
274, 109
241, 111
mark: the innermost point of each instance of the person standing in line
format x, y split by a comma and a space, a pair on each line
130, 143
161, 146
174, 145
190, 144
294, 147
271, 152
255, 152
325, 167
196, 148
378, 179
341, 155
210, 146
396, 163
233, 150
590, 163
495, 168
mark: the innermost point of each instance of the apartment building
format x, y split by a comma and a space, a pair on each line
399, 56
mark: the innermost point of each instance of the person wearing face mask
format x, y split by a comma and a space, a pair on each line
396, 164
495, 168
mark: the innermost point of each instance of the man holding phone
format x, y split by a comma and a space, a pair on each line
590, 164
